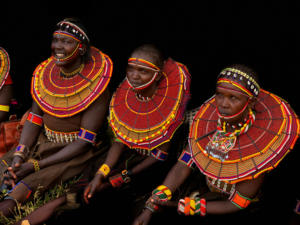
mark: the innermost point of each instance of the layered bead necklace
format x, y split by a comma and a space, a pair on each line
222, 141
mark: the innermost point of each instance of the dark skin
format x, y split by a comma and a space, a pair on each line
137, 76
97, 110
6, 94
229, 101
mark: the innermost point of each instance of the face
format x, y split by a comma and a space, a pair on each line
230, 101
138, 76
63, 47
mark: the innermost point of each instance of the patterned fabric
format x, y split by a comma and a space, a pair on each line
150, 123
159, 155
260, 149
4, 66
65, 97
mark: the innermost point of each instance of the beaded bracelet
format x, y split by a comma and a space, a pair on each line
121, 178
21, 151
163, 192
190, 207
239, 200
35, 164
104, 169
35, 119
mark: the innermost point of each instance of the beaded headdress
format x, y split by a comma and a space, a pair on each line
4, 66
241, 79
73, 30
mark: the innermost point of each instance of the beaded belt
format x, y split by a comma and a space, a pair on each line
220, 186
143, 152
60, 137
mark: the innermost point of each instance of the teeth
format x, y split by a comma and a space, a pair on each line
59, 55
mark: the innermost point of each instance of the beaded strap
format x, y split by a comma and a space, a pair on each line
159, 155
35, 164
4, 108
35, 119
87, 135
21, 151
191, 207
104, 169
186, 158
239, 200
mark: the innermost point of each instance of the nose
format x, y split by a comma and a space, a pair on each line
134, 75
224, 103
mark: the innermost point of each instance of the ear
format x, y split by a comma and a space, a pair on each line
252, 102
82, 49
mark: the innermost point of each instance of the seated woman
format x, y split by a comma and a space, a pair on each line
6, 91
237, 136
69, 108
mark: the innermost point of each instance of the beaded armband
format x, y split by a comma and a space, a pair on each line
35, 119
4, 108
239, 200
87, 135
104, 169
159, 155
119, 179
187, 159
35, 164
21, 151
191, 207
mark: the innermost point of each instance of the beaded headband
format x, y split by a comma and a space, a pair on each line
73, 30
237, 75
148, 65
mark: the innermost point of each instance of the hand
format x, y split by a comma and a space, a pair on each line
155, 200
92, 187
17, 161
143, 218
23, 170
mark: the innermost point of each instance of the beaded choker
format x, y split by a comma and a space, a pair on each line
71, 74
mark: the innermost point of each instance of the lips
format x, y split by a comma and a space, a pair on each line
59, 55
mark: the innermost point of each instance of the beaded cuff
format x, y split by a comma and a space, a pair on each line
121, 178
35, 119
186, 158
35, 164
104, 169
191, 207
4, 108
21, 151
159, 155
163, 192
239, 200
87, 135
26, 185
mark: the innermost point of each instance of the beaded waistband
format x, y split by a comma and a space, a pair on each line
60, 137
220, 186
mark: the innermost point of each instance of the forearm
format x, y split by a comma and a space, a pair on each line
114, 154
29, 134
177, 175
145, 164
67, 153
221, 207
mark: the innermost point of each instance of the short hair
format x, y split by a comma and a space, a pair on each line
152, 51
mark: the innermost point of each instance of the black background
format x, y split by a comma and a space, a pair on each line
204, 35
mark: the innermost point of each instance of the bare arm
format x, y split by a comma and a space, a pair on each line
5, 96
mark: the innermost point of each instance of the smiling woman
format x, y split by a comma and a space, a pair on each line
71, 99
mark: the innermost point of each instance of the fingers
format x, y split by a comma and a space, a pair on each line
12, 173
164, 203
86, 194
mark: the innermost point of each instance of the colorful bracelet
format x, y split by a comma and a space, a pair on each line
104, 170
121, 178
190, 207
21, 151
151, 206
35, 119
87, 135
4, 108
35, 164
239, 200
163, 192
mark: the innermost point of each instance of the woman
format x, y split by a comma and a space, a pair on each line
69, 108
237, 136
6, 92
